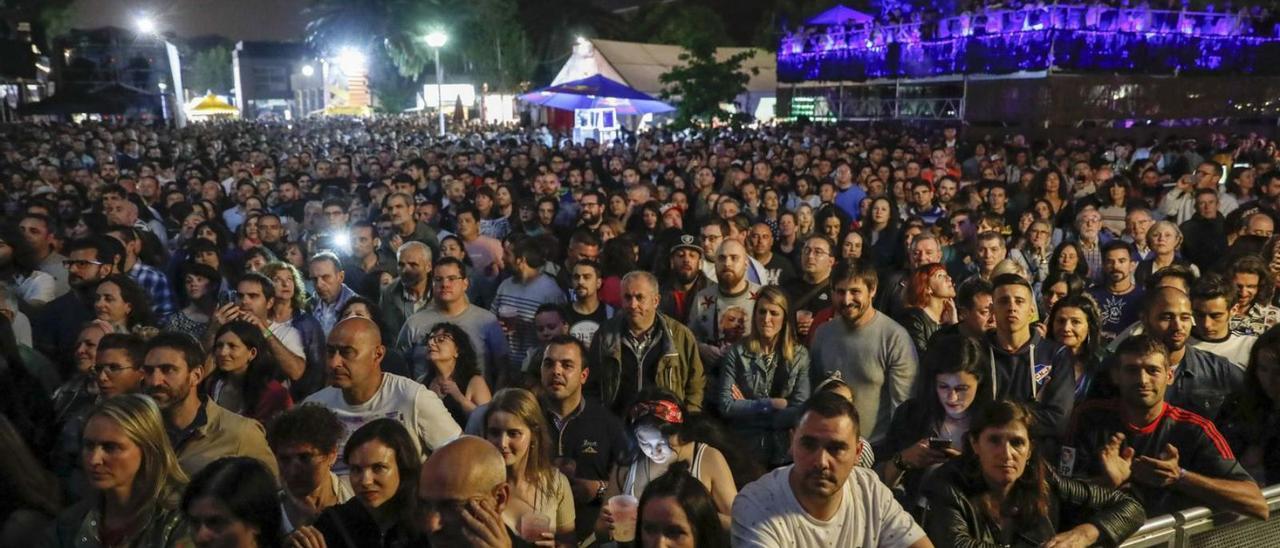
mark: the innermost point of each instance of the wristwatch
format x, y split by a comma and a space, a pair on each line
899, 462
604, 486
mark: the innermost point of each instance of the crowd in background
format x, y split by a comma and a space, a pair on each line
350, 332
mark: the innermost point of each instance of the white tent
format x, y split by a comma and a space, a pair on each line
640, 65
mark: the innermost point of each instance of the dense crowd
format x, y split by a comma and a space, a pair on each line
351, 333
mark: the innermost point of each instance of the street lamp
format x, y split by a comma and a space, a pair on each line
436, 40
147, 26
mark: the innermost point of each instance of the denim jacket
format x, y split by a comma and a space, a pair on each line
754, 377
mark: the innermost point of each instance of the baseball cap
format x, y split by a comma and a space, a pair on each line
687, 241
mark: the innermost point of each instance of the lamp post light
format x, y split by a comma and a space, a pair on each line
436, 40
145, 25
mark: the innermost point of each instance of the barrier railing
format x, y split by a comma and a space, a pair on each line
1201, 528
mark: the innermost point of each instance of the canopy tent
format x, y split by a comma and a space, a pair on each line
111, 99
211, 106
597, 92
840, 14
640, 66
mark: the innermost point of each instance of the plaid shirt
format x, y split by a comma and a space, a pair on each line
157, 286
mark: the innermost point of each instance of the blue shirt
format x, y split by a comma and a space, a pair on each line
1116, 311
327, 314
849, 200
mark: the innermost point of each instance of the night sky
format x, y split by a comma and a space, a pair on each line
234, 19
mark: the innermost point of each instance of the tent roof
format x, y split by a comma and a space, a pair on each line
639, 65
838, 15
212, 104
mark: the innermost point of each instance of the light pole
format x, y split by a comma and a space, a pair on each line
147, 26
436, 40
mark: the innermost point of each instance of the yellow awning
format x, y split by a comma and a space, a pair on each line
211, 104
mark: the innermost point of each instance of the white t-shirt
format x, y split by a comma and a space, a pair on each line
1235, 349
289, 337
767, 514
411, 404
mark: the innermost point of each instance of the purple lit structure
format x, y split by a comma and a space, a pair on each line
1033, 38
1033, 63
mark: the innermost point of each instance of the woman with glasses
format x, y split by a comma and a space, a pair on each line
454, 372
305, 442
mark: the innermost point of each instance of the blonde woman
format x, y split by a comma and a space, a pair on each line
804, 222
1164, 239
135, 483
765, 379
515, 424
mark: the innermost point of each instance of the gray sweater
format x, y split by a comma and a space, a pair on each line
877, 361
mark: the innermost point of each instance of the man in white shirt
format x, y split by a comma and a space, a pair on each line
823, 500
360, 392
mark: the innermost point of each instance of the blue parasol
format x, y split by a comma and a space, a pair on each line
597, 92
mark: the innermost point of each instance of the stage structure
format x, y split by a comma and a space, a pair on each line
1035, 66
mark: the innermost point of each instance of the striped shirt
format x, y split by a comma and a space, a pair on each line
525, 298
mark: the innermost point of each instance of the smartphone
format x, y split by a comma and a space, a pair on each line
939, 444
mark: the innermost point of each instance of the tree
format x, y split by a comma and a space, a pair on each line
495, 45
703, 83
395, 28
210, 70
674, 23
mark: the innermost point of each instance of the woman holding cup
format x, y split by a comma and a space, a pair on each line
541, 504
658, 425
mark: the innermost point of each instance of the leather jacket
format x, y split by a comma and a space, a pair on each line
953, 520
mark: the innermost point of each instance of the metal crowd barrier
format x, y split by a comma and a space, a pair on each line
1200, 528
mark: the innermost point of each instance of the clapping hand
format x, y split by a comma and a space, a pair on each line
1117, 460
1158, 472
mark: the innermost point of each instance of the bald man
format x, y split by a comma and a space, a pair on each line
721, 312
359, 391
462, 491
1201, 380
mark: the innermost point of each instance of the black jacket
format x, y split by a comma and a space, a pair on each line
953, 521
350, 525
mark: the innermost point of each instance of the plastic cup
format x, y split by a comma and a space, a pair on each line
532, 526
508, 315
624, 509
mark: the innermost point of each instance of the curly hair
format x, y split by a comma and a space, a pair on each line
468, 362
313, 425
300, 300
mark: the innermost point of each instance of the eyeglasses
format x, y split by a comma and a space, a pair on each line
440, 337
112, 369
72, 263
